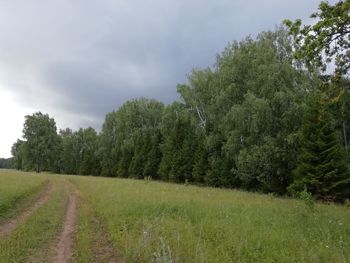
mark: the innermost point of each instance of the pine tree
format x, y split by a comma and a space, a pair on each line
154, 156
200, 162
322, 168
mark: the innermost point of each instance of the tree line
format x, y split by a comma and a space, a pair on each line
267, 117
5, 163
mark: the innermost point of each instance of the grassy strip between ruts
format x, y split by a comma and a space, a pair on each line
91, 241
17, 190
152, 221
30, 241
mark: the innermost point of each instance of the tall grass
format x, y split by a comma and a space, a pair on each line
162, 222
17, 189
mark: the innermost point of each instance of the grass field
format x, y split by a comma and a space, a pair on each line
17, 191
145, 221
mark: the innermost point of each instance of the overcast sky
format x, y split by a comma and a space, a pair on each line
79, 59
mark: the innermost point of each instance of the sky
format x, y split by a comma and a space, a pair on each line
79, 59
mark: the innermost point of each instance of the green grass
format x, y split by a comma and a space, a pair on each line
91, 241
84, 234
166, 222
161, 222
18, 190
30, 241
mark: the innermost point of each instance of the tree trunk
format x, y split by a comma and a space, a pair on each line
345, 141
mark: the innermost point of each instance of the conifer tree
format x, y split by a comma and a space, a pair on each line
200, 161
154, 155
138, 159
322, 168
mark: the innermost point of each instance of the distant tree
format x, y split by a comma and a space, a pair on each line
42, 141
79, 152
6, 163
200, 165
138, 159
124, 140
108, 150
153, 154
69, 152
179, 144
17, 152
88, 143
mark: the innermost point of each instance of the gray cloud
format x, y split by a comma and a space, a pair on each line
80, 59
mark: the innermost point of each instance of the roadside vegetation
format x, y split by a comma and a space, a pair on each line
125, 220
159, 222
18, 191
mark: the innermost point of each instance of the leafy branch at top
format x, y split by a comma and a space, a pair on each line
327, 42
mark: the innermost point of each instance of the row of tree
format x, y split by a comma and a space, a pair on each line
258, 120
5, 163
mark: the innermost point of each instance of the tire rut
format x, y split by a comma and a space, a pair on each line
103, 249
8, 226
101, 245
64, 247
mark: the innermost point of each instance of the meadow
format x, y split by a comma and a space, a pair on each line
18, 190
123, 220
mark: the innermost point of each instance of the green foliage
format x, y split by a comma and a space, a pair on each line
17, 152
108, 150
308, 199
129, 141
69, 152
200, 165
322, 168
6, 163
89, 163
327, 40
153, 155
264, 167
339, 104
41, 145
252, 99
179, 142
79, 152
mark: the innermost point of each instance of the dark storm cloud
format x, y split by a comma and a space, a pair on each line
80, 59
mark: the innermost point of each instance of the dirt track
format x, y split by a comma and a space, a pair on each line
61, 251
64, 247
12, 223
